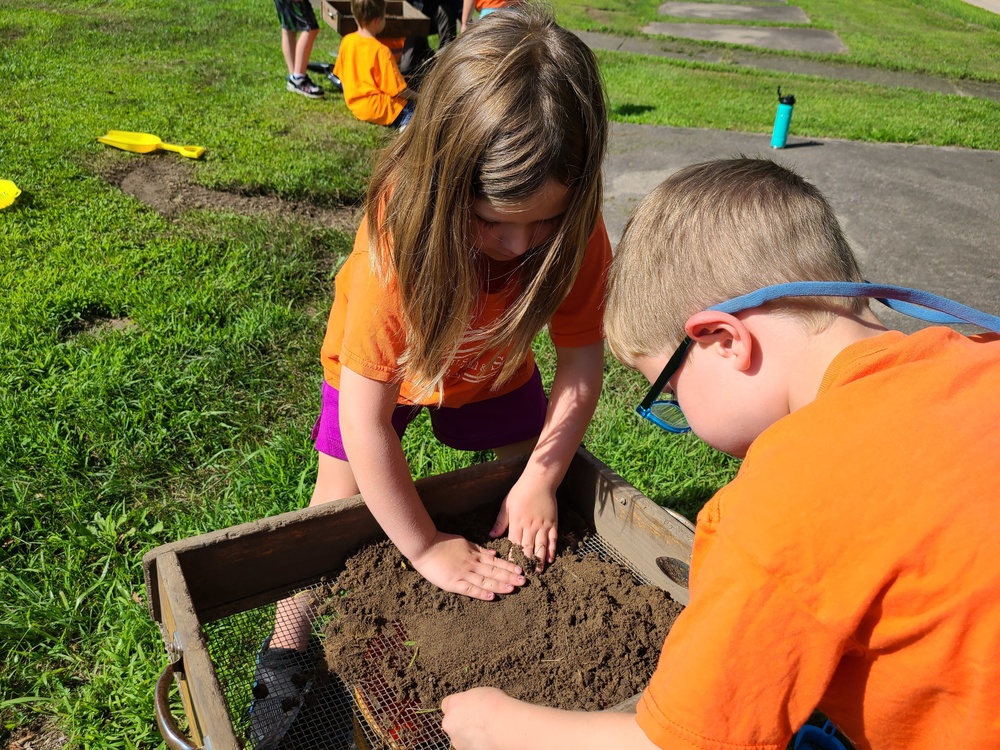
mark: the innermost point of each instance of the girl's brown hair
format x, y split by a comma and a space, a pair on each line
513, 102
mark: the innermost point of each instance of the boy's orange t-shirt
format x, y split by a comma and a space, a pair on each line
852, 566
366, 331
371, 79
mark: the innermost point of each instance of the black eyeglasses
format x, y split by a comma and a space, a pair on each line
666, 413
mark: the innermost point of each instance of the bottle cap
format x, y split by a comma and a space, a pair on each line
786, 99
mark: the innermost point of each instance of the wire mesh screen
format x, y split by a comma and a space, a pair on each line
335, 716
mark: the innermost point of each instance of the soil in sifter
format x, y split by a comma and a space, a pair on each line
583, 634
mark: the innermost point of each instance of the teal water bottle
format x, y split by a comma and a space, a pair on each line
782, 120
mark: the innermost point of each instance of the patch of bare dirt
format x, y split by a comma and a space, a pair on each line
166, 184
99, 325
602, 15
39, 735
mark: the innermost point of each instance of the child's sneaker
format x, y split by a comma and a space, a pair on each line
281, 680
304, 86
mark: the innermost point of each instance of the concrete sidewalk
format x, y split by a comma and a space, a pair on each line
916, 215
679, 50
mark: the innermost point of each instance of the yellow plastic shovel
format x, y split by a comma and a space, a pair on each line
143, 143
8, 192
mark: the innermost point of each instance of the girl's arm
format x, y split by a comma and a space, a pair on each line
489, 719
529, 510
376, 458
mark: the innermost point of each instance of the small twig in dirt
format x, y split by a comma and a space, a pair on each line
426, 710
545, 660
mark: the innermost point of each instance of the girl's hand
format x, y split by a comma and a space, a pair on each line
475, 719
532, 517
455, 564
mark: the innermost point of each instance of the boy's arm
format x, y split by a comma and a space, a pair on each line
489, 719
409, 94
529, 510
380, 469
467, 6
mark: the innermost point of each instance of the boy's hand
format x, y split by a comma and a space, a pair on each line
475, 719
489, 719
455, 564
532, 516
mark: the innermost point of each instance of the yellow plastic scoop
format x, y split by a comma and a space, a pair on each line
143, 143
8, 192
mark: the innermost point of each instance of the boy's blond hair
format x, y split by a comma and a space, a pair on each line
366, 11
715, 231
510, 104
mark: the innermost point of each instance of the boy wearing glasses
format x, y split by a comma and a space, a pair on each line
850, 566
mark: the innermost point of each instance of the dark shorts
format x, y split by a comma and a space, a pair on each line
404, 116
296, 15
479, 426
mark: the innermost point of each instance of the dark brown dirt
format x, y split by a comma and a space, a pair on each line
41, 734
581, 635
166, 183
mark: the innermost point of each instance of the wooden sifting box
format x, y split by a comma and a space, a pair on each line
401, 19
213, 595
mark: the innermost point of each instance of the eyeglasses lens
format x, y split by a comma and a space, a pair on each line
670, 414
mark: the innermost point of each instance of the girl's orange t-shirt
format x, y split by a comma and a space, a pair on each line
366, 331
851, 565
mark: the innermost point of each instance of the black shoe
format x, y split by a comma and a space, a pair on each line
335, 81
282, 679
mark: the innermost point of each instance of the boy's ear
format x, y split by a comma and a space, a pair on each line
722, 334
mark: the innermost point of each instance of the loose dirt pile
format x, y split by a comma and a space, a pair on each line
581, 635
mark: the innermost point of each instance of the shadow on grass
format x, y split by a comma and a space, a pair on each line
632, 110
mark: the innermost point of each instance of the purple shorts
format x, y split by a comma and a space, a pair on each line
479, 426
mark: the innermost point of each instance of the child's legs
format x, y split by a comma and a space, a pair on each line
287, 20
288, 49
298, 32
303, 21
303, 49
334, 481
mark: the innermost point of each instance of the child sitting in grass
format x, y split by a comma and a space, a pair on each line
850, 566
374, 88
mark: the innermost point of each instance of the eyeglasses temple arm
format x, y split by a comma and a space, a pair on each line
665, 374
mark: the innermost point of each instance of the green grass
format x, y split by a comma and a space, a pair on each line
947, 38
656, 91
159, 376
